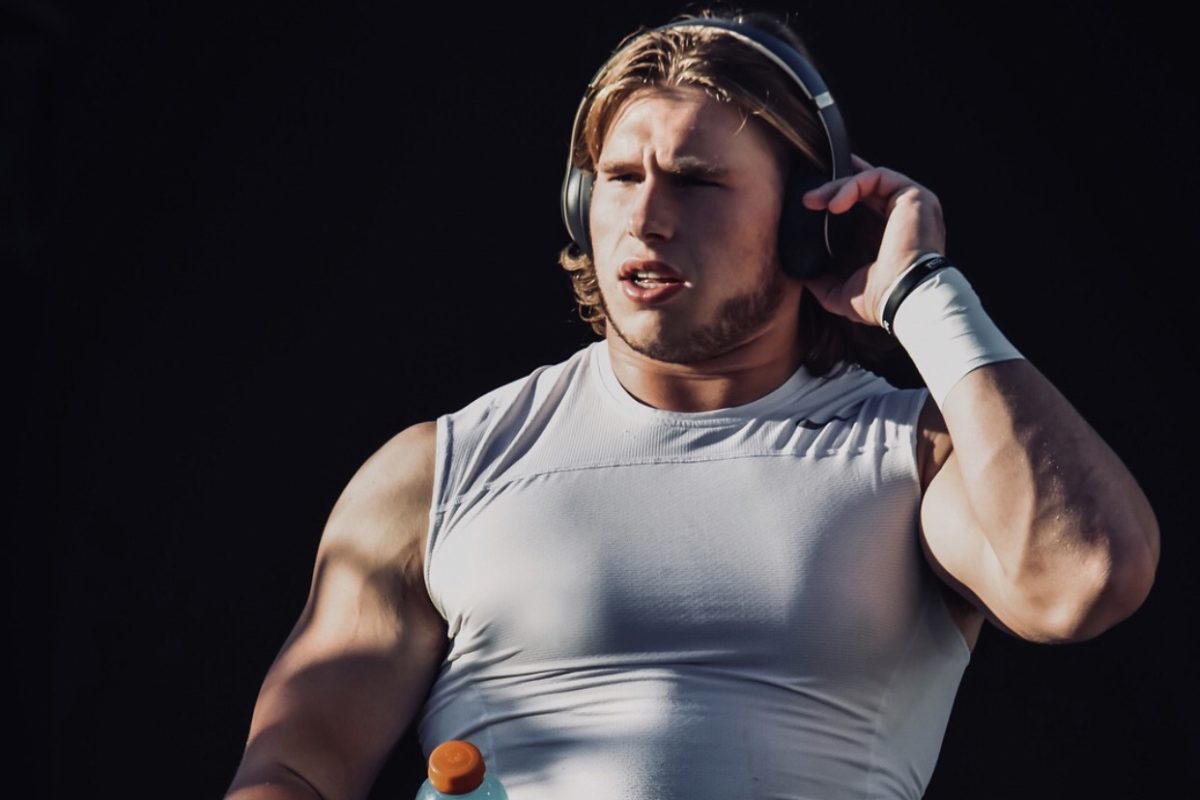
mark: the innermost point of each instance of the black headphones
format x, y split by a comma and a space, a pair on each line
808, 240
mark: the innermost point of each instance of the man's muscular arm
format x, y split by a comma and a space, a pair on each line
1033, 514
363, 655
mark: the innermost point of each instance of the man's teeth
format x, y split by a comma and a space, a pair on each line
651, 279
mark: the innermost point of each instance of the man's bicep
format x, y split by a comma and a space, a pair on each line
361, 659
332, 709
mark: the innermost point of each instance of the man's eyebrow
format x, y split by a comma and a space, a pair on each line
686, 166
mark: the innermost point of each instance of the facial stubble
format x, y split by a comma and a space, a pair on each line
736, 320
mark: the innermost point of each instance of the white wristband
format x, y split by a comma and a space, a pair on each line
946, 332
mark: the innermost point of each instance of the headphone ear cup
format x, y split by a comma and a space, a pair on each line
577, 201
855, 236
803, 250
817, 243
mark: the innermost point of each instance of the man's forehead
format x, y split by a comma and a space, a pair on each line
696, 124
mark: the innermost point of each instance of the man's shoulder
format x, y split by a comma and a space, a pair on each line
401, 469
537, 382
493, 437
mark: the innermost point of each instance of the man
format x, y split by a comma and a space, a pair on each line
709, 555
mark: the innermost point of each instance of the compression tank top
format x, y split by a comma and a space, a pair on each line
650, 605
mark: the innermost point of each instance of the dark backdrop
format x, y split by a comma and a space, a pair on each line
247, 242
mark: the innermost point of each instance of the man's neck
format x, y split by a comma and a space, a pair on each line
740, 376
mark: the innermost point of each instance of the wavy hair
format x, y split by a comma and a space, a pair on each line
729, 71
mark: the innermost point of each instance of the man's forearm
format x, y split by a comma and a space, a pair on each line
1060, 509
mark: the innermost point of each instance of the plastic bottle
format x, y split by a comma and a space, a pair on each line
456, 772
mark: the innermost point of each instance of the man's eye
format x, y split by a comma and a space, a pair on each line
683, 180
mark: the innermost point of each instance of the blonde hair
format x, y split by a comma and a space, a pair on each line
729, 71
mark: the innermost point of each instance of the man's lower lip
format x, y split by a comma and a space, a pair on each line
650, 294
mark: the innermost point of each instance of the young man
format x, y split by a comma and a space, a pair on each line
709, 555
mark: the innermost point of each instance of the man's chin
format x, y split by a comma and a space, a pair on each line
669, 350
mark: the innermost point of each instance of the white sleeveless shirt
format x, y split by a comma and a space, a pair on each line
651, 605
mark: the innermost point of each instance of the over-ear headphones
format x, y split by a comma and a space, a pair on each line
808, 240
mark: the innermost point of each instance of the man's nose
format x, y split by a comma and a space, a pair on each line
655, 208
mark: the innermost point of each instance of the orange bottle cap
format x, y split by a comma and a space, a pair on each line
456, 767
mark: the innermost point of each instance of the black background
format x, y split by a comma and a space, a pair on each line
247, 242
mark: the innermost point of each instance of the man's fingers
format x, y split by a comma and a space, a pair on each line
821, 195
868, 183
878, 187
